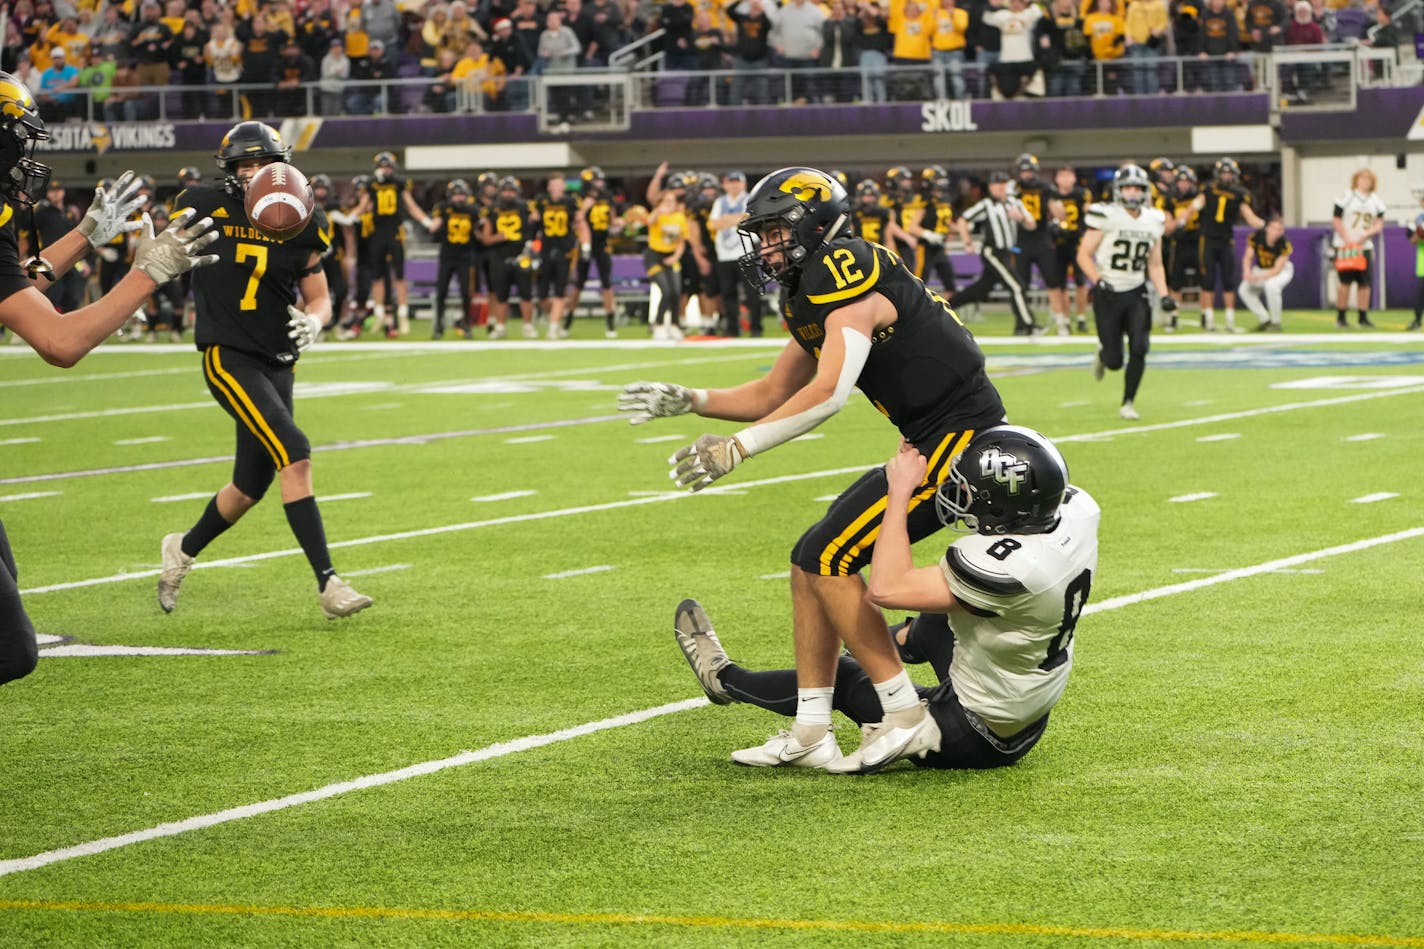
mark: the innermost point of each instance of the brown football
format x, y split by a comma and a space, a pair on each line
279, 201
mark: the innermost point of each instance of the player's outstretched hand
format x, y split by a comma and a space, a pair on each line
109, 212
303, 328
175, 251
649, 400
1168, 305
705, 460
906, 471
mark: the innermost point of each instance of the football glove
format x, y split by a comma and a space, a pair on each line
175, 250
1168, 305
1101, 290
304, 329
649, 400
705, 460
109, 212
934, 238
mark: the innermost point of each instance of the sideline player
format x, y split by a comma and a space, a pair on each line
387, 197
251, 334
1266, 269
601, 214
1219, 207
504, 230
1184, 242
1039, 200
455, 221
1074, 199
858, 318
561, 232
1005, 603
333, 262
1120, 252
1358, 216
63, 339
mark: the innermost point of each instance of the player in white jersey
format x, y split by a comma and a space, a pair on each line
1359, 216
1000, 607
1121, 250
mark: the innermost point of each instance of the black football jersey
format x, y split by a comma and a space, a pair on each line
600, 213
925, 372
1191, 230
241, 301
556, 221
1035, 197
939, 217
1222, 208
1075, 201
1266, 254
870, 221
387, 205
12, 275
510, 225
458, 228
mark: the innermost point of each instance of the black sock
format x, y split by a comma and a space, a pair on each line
203, 533
305, 519
608, 319
1363, 315
1339, 316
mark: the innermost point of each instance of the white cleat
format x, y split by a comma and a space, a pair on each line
702, 649
1099, 370
883, 744
339, 600
497, 331
176, 565
530, 331
782, 750
1128, 412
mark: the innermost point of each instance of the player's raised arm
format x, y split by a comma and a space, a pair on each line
895, 582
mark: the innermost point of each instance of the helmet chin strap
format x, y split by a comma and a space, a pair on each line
834, 230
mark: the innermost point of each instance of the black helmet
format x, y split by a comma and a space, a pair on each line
320, 181
899, 177
1131, 176
510, 191
384, 165
868, 188
1009, 480
591, 174
360, 183
487, 179
248, 140
189, 175
1026, 164
810, 205
1225, 167
22, 179
458, 187
933, 173
842, 177
1161, 167
1185, 173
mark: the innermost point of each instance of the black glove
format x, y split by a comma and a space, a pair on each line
1168, 305
1101, 290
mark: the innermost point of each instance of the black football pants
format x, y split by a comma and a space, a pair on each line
1124, 314
18, 650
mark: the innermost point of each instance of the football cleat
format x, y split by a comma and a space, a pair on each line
1128, 412
496, 331
530, 330
1099, 370
176, 565
702, 649
339, 600
782, 750
884, 743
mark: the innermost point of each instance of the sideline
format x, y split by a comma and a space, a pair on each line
501, 749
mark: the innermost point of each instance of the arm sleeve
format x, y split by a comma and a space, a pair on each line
756, 439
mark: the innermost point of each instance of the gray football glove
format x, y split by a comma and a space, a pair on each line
304, 329
705, 460
649, 400
173, 252
109, 212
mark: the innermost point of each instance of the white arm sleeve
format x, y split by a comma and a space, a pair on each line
758, 438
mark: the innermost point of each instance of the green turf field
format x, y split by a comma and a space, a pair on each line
509, 750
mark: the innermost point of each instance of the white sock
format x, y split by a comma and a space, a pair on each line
897, 693
403, 311
813, 706
1208, 316
380, 311
1230, 317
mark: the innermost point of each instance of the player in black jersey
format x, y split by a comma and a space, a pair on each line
1067, 231
1219, 207
561, 232
333, 262
1039, 200
870, 218
456, 222
505, 230
933, 229
24, 309
858, 318
1163, 174
387, 197
1183, 243
907, 209
251, 334
600, 212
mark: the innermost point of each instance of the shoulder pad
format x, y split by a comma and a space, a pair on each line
971, 569
840, 272
1097, 216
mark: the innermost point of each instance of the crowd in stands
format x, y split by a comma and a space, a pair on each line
330, 56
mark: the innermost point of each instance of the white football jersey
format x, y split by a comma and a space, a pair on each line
1127, 242
1017, 601
1357, 212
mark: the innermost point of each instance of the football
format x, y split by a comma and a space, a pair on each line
279, 201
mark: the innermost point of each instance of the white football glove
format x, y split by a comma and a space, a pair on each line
109, 212
175, 250
305, 329
650, 400
933, 237
705, 460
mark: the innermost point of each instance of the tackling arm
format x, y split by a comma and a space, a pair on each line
895, 582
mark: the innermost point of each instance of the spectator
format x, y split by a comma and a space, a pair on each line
1220, 40
1325, 16
113, 34
316, 29
223, 54
370, 95
839, 53
516, 63
66, 35
192, 68
559, 52
382, 21
1265, 25
98, 79
291, 73
912, 24
986, 42
605, 24
1145, 28
798, 41
260, 49
1186, 41
56, 100
528, 23
123, 102
1016, 24
751, 52
279, 18
675, 20
462, 26
1105, 30
440, 94
947, 45
151, 47
335, 71
432, 38
1300, 79
172, 17
1063, 48
873, 45
482, 76
709, 47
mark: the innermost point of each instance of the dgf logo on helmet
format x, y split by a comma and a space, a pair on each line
806, 185
1005, 469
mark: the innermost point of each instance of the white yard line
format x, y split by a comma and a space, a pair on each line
528, 439
601, 568
146, 440
348, 496
1372, 498
527, 743
18, 441
370, 571
1198, 496
505, 496
30, 496
1364, 437
1224, 437
190, 496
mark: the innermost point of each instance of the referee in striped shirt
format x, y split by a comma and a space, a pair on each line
998, 218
